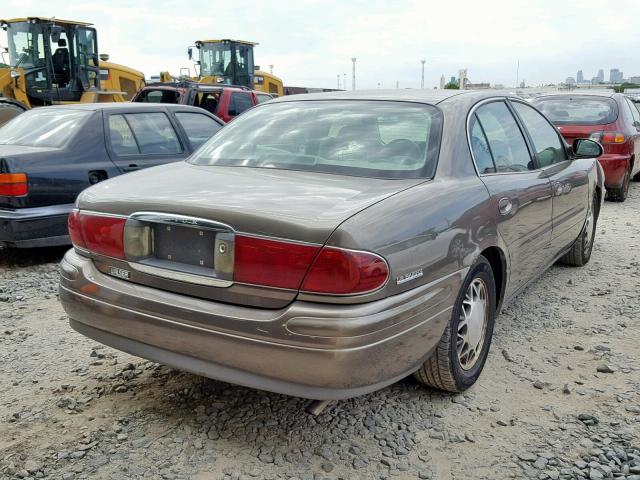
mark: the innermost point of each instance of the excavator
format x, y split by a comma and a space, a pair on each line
230, 62
52, 61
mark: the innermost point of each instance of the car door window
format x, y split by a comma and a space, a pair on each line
546, 140
198, 127
154, 133
263, 98
480, 148
121, 137
507, 145
239, 103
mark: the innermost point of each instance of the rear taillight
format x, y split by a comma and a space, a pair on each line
273, 263
98, 233
13, 184
310, 268
75, 229
608, 137
343, 272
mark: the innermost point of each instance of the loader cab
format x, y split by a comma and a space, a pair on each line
59, 58
226, 62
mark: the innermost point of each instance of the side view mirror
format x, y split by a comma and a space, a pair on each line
585, 148
190, 53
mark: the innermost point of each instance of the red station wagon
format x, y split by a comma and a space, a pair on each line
609, 118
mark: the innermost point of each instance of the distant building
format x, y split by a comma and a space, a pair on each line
477, 86
522, 84
443, 82
600, 76
615, 76
579, 77
634, 79
453, 79
570, 81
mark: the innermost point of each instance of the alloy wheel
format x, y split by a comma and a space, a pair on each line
472, 325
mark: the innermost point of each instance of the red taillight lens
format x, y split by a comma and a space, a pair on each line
13, 184
75, 229
103, 235
337, 271
272, 263
608, 137
98, 233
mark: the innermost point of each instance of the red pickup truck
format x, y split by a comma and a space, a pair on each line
225, 102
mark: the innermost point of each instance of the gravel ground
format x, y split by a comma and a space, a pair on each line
559, 397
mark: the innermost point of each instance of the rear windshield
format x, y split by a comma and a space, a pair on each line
43, 128
363, 138
585, 110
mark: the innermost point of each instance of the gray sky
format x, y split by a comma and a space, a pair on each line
310, 42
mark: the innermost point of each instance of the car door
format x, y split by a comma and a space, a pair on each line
569, 178
520, 192
141, 139
197, 127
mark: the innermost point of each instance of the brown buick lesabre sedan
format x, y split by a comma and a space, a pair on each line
327, 245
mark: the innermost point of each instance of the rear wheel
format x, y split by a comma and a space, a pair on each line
9, 111
458, 359
580, 252
620, 194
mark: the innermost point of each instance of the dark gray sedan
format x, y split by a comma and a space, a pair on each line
328, 245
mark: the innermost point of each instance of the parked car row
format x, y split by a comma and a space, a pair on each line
327, 245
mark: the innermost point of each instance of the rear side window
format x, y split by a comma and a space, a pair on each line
480, 148
150, 133
198, 127
546, 141
507, 145
578, 110
239, 103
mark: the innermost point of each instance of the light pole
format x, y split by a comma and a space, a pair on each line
338, 81
271, 69
423, 61
344, 78
353, 78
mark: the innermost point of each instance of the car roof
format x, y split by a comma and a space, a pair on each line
122, 106
196, 86
432, 97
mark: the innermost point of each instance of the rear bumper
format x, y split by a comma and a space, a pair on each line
615, 167
310, 350
35, 227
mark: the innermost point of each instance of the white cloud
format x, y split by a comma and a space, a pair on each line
310, 42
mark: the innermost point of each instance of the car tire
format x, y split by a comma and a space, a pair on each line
581, 249
449, 368
620, 194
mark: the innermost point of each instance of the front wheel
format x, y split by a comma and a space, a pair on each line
460, 355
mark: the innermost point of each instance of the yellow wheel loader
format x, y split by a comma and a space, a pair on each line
230, 62
52, 61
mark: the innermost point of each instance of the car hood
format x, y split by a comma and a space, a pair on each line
303, 206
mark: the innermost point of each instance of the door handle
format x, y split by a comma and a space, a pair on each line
131, 167
505, 205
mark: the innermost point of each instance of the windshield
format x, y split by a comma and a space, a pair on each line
26, 47
363, 138
232, 63
42, 128
578, 110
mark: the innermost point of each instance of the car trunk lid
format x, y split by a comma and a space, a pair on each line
192, 212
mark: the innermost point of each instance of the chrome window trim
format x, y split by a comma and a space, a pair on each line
470, 114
